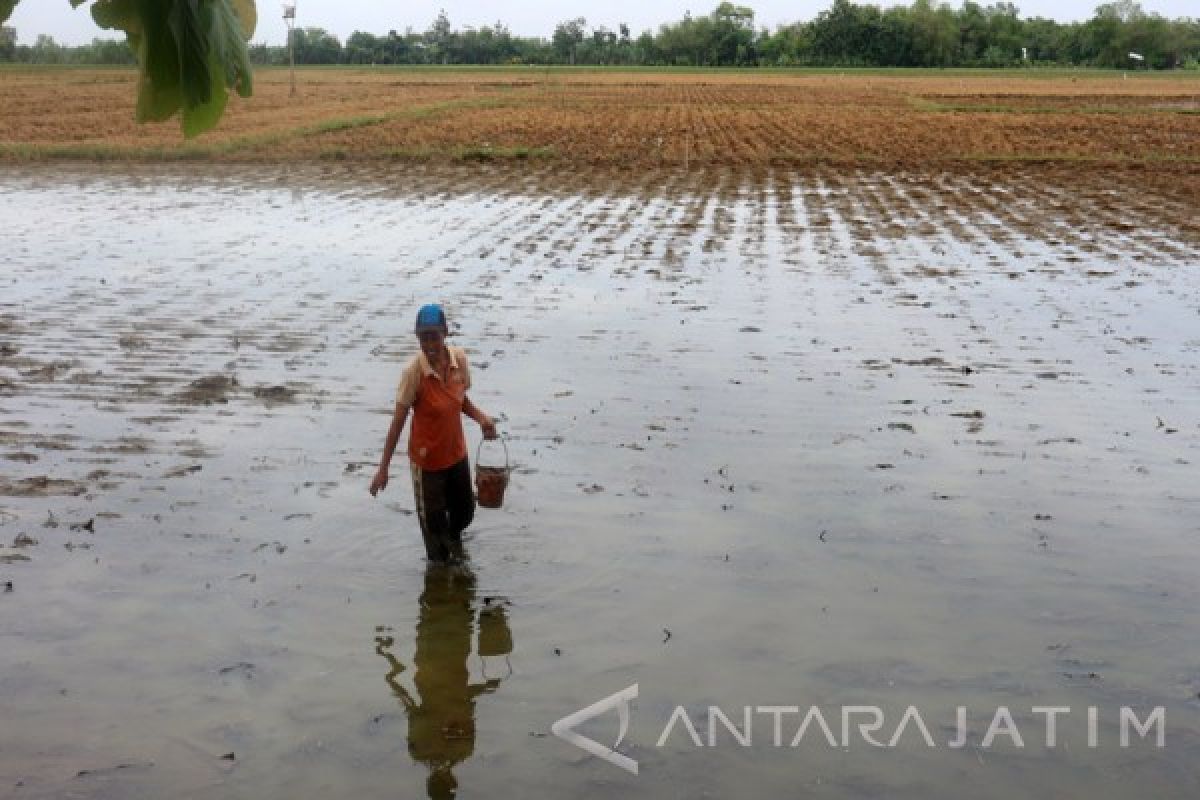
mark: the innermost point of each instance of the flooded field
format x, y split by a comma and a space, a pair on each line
826, 438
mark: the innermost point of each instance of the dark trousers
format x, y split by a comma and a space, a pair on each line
445, 507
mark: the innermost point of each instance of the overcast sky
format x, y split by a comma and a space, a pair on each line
343, 17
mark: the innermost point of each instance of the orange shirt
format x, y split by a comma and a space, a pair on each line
436, 440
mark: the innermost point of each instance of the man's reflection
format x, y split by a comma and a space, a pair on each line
441, 722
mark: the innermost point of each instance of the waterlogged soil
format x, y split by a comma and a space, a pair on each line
828, 437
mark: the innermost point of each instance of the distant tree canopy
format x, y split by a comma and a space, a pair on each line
8, 43
45, 50
924, 34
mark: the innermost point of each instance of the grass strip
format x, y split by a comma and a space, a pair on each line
928, 106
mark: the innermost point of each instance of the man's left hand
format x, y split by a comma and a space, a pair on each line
488, 425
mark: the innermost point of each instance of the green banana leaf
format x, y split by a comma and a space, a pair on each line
190, 53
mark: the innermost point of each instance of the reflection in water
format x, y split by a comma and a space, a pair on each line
441, 721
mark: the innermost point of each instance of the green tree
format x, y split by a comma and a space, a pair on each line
1046, 40
1105, 34
895, 39
46, 51
8, 43
568, 35
934, 34
401, 49
100, 51
362, 48
843, 34
733, 34
645, 49
316, 46
438, 39
1149, 35
972, 32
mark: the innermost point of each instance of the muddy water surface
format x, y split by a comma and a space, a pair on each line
825, 439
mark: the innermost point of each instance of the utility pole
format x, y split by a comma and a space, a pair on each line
289, 18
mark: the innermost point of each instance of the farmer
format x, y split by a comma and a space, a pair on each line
434, 386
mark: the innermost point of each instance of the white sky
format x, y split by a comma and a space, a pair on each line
343, 17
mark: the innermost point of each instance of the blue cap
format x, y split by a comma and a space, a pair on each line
431, 316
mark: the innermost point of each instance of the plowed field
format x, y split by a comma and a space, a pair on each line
631, 119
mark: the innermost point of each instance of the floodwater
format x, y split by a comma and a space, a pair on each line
796, 439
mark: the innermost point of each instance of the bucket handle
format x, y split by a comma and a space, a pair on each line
502, 442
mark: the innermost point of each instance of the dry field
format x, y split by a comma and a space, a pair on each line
634, 118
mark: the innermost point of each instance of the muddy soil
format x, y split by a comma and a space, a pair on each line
779, 438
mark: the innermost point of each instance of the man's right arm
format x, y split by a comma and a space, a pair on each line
399, 416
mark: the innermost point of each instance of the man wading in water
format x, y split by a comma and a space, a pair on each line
434, 385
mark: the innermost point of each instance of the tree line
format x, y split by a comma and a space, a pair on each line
47, 51
924, 34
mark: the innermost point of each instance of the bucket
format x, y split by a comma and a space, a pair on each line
491, 481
